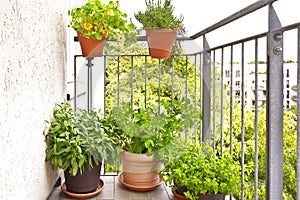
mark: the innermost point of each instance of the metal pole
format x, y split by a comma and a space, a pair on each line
206, 93
274, 189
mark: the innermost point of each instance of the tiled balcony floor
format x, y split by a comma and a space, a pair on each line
114, 190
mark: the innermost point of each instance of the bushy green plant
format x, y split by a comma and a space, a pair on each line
76, 139
199, 171
159, 15
96, 19
146, 130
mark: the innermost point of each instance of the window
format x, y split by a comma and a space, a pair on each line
237, 83
287, 73
287, 94
227, 73
237, 73
237, 93
287, 84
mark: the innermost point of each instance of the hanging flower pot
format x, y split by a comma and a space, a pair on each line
160, 42
96, 20
91, 47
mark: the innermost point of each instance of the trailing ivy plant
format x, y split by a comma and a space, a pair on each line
199, 171
76, 139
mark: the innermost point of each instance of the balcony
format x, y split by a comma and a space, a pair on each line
199, 77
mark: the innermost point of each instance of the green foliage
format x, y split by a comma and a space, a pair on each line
96, 19
289, 171
201, 172
76, 139
146, 130
159, 15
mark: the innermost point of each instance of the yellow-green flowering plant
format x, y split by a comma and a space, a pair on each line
96, 19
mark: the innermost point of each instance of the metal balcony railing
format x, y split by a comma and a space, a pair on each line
200, 77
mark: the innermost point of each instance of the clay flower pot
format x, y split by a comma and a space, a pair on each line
86, 182
160, 42
91, 47
139, 169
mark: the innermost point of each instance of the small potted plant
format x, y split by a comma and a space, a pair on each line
198, 174
77, 144
95, 21
161, 26
145, 133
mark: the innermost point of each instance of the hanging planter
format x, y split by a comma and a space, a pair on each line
95, 21
91, 47
160, 42
162, 28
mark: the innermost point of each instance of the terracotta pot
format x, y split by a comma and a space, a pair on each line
91, 47
139, 169
86, 182
160, 42
201, 196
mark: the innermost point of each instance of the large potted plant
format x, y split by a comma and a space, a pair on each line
95, 21
77, 144
145, 133
198, 174
161, 26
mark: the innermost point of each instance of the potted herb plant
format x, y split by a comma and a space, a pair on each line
95, 21
198, 174
145, 132
161, 26
77, 143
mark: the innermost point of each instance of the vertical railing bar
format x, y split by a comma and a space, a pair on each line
89, 82
104, 109
186, 87
256, 122
159, 75
201, 98
195, 94
131, 82
145, 79
214, 100
231, 96
173, 73
222, 101
206, 107
298, 117
119, 89
75, 83
243, 118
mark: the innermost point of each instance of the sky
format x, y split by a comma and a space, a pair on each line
199, 14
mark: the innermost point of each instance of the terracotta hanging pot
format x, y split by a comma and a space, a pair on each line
160, 42
91, 47
139, 169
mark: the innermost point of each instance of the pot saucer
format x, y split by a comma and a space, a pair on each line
139, 188
85, 195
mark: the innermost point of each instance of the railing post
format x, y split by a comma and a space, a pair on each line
206, 91
89, 83
274, 109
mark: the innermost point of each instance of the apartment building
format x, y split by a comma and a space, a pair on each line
256, 80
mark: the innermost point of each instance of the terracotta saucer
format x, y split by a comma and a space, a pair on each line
139, 188
85, 195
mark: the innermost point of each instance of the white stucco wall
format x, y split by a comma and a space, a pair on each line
32, 79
